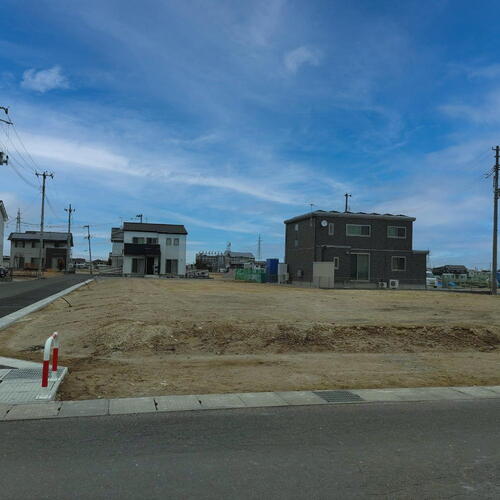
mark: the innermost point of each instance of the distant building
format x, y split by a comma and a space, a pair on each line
237, 260
116, 254
217, 261
364, 249
211, 261
150, 249
3, 219
25, 250
449, 269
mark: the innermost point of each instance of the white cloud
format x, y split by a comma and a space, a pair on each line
301, 55
44, 79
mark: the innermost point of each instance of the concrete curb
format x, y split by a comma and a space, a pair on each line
160, 404
5, 321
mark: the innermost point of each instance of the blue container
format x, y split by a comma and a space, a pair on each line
272, 267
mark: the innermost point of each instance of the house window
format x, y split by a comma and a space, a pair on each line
296, 243
336, 263
152, 241
169, 241
398, 263
138, 266
296, 227
35, 244
331, 228
138, 241
176, 242
19, 244
358, 230
300, 273
396, 232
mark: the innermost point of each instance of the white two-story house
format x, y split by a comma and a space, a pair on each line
150, 249
3, 220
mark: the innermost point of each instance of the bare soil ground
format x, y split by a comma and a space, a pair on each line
130, 337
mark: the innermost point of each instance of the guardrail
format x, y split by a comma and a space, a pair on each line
51, 347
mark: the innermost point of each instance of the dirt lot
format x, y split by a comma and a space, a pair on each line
131, 337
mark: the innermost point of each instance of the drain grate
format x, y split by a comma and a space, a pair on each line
28, 373
339, 396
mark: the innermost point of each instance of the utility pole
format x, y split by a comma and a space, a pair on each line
90, 249
139, 216
6, 110
68, 253
18, 221
347, 196
259, 241
496, 193
44, 176
4, 159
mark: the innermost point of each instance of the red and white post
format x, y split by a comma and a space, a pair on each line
51, 346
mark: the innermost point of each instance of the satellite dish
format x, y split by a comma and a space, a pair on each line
324, 223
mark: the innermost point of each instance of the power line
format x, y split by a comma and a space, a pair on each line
21, 176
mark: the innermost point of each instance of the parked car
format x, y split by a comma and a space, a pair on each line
431, 280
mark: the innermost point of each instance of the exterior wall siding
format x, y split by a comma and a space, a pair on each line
28, 252
316, 243
167, 251
2, 228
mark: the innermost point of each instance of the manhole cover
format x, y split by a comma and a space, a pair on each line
338, 396
24, 373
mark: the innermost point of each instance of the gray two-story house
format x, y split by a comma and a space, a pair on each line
366, 249
25, 249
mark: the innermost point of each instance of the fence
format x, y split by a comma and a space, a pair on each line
255, 275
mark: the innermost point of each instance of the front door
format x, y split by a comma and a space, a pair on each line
150, 265
360, 266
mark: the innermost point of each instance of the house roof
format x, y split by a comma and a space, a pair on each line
248, 255
117, 234
35, 235
3, 211
154, 228
350, 215
452, 269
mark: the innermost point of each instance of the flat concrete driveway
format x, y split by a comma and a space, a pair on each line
425, 450
18, 294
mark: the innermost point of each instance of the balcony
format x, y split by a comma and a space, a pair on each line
141, 249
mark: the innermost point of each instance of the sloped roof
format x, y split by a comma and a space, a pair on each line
35, 235
248, 255
353, 215
154, 228
117, 234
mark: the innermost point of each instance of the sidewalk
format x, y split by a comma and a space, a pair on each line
103, 407
20, 382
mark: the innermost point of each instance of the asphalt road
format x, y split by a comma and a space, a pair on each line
18, 294
404, 450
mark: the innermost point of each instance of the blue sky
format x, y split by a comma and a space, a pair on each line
230, 117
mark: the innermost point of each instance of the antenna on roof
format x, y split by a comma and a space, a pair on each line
139, 216
347, 196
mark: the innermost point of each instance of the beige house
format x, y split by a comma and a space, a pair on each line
25, 250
